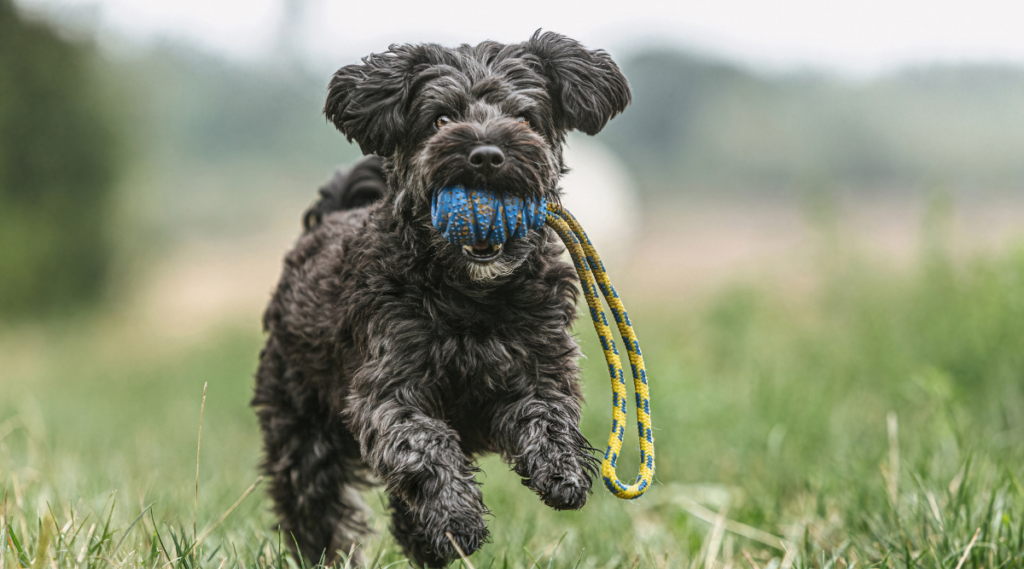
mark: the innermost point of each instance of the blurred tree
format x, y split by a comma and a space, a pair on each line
700, 125
57, 171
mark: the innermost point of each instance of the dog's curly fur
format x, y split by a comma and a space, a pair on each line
394, 357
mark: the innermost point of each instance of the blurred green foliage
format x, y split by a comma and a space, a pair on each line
704, 126
58, 163
228, 145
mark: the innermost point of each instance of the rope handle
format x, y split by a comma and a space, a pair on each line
593, 277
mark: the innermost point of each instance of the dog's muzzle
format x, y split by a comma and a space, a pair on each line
482, 221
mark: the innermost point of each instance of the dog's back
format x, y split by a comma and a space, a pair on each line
361, 186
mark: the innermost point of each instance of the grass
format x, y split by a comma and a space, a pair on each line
876, 420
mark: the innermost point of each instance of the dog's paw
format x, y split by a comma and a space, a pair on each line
561, 489
469, 534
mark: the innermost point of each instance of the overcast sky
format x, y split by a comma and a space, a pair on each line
851, 36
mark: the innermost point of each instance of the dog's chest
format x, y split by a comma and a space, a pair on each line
476, 344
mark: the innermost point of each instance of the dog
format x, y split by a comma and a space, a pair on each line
395, 357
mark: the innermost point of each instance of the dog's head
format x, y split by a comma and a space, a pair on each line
490, 116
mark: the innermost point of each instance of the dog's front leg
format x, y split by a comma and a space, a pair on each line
539, 437
430, 480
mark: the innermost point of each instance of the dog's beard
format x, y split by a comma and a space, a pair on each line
463, 268
513, 255
493, 270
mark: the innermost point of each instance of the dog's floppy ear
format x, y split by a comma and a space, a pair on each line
367, 101
587, 86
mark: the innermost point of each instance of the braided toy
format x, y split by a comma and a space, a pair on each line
467, 217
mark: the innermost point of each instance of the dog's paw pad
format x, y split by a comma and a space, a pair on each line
469, 535
563, 492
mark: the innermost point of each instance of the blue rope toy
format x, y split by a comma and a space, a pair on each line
468, 217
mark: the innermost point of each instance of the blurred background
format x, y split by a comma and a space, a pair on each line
816, 211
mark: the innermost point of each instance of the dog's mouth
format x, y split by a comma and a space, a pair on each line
482, 252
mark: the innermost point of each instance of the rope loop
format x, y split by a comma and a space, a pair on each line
594, 279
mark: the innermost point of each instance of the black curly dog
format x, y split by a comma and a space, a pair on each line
394, 355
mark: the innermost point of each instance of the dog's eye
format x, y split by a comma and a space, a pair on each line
523, 120
443, 120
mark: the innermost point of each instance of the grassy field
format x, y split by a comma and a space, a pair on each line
874, 421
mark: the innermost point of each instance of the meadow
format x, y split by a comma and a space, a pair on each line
872, 419
854, 412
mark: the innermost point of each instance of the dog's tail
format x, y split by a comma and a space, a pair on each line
361, 186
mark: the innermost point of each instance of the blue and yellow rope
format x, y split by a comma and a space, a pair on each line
469, 216
593, 277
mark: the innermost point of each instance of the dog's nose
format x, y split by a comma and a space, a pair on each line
486, 157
